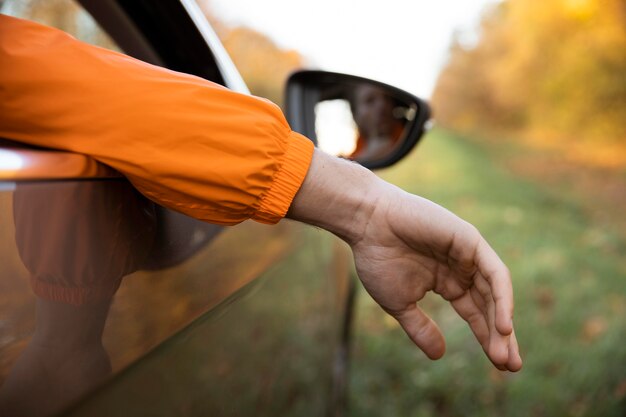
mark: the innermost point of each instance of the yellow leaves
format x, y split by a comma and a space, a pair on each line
580, 9
263, 65
593, 328
555, 67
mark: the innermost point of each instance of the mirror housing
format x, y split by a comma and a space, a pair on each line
326, 106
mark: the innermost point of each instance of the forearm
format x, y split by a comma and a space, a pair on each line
184, 142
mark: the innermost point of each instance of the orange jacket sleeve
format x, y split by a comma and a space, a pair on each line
184, 142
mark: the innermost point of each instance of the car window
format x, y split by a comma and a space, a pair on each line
66, 15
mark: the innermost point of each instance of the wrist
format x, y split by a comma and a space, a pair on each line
337, 195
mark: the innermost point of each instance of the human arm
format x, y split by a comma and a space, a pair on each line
405, 246
222, 157
184, 142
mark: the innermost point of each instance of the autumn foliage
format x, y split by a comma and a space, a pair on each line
550, 70
263, 65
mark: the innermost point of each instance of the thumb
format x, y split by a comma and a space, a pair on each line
422, 330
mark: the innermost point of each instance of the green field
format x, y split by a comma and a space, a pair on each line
567, 258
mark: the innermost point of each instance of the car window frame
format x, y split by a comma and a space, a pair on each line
175, 35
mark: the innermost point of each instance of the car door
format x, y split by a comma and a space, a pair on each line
112, 305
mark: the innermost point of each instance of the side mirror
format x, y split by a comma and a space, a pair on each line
367, 121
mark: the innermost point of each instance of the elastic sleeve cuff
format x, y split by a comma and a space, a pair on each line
287, 181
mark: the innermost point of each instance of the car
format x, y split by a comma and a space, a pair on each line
114, 305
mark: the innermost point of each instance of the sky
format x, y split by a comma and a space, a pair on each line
400, 42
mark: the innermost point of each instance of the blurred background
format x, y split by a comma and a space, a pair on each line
529, 99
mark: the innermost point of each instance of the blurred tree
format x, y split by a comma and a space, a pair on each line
552, 68
262, 64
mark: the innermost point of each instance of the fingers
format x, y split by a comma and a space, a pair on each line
499, 278
473, 314
477, 307
515, 360
423, 331
472, 253
498, 347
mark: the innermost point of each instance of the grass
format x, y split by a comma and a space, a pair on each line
569, 275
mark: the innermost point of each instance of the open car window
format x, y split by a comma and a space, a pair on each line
66, 15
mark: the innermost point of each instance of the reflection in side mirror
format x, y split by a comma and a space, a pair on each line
369, 122
366, 126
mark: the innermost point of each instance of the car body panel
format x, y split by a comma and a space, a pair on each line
201, 305
23, 164
265, 350
112, 304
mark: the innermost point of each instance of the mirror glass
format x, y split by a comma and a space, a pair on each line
362, 121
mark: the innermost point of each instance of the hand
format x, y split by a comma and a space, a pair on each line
404, 246
411, 246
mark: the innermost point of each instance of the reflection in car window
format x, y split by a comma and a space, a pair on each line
66, 15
